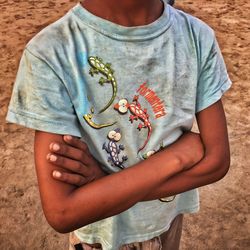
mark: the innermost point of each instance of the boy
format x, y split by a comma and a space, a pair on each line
127, 78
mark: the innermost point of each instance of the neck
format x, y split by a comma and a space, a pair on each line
126, 12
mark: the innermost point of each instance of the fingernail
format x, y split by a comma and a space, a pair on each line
68, 137
53, 158
56, 147
48, 156
57, 174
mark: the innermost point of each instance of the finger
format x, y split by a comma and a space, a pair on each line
69, 164
69, 178
70, 152
76, 142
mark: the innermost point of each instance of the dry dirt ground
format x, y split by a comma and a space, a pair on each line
223, 222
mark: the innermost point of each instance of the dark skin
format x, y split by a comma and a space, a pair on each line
68, 207
192, 161
178, 168
73, 147
127, 12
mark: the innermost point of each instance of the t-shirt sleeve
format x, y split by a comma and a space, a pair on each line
40, 99
213, 80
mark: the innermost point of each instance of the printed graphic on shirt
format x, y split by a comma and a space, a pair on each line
89, 119
156, 103
136, 113
98, 66
151, 152
113, 149
168, 199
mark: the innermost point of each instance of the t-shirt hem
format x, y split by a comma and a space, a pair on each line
140, 238
37, 123
135, 238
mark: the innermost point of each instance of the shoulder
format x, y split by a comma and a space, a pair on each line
193, 33
192, 26
56, 38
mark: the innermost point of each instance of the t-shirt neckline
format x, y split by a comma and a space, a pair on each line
119, 32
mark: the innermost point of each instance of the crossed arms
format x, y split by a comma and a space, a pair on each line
191, 162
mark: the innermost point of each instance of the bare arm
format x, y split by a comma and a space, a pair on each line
68, 207
215, 163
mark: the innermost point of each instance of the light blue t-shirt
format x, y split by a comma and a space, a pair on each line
127, 92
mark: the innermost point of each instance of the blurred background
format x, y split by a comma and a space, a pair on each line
223, 222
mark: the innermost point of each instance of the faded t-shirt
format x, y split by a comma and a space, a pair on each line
128, 92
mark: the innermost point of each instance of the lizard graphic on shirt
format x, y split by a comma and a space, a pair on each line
113, 149
136, 113
89, 119
98, 66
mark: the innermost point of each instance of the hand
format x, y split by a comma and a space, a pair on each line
74, 157
189, 148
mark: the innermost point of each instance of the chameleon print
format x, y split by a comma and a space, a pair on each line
98, 66
136, 113
88, 119
113, 149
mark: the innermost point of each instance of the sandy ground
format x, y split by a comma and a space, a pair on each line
223, 222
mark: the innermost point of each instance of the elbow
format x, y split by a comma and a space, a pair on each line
62, 220
59, 226
58, 220
62, 229
222, 168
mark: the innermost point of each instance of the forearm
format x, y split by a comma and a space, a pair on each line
216, 160
210, 169
114, 193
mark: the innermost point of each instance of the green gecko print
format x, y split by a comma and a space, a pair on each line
98, 66
89, 119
